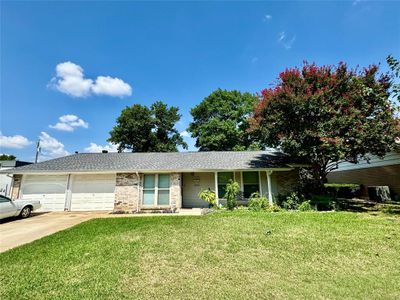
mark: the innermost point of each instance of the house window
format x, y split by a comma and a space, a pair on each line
156, 189
223, 180
251, 183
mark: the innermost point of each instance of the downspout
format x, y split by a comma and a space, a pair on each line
138, 191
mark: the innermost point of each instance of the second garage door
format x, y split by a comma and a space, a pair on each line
92, 192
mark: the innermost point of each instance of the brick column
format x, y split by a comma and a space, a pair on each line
176, 190
127, 192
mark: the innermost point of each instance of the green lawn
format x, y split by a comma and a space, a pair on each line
240, 255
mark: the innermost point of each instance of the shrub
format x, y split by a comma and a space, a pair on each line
292, 201
232, 190
306, 206
323, 202
273, 208
208, 196
257, 203
343, 190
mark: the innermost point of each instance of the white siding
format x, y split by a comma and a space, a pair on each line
92, 192
49, 189
192, 184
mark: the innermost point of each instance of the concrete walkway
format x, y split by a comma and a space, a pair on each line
15, 232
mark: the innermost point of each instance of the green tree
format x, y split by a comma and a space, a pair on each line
232, 190
220, 121
147, 129
394, 65
325, 115
7, 157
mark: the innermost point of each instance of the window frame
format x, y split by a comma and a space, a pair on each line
222, 186
256, 183
156, 190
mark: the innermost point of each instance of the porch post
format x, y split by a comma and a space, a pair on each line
216, 187
269, 187
260, 183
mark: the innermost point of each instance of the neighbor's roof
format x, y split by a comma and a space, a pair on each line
147, 162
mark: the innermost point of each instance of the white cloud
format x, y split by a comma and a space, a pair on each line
15, 141
70, 80
94, 148
185, 134
285, 41
51, 147
267, 18
69, 123
106, 85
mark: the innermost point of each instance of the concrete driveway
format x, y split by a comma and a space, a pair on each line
16, 232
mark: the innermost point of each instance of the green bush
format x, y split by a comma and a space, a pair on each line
343, 190
323, 202
306, 206
292, 201
273, 208
232, 190
257, 203
208, 196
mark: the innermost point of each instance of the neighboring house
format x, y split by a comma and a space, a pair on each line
137, 181
6, 180
377, 172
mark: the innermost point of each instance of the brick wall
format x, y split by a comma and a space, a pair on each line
126, 192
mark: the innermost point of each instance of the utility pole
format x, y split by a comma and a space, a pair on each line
37, 150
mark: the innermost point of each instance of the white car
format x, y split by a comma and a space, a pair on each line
22, 208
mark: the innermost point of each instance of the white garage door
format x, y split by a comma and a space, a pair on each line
49, 189
92, 192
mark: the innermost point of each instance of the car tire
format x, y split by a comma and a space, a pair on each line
25, 212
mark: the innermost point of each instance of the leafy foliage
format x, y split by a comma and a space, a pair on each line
292, 201
306, 206
324, 115
208, 196
232, 190
220, 121
7, 157
257, 203
394, 65
147, 129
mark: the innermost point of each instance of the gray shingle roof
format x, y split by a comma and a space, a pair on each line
172, 161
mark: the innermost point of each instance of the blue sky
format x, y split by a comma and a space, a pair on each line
114, 54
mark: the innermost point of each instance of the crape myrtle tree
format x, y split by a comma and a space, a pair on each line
147, 129
324, 115
220, 121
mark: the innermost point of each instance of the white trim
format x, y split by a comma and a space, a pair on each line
20, 193
216, 187
269, 187
66, 172
68, 194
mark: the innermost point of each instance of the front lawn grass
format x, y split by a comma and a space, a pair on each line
238, 255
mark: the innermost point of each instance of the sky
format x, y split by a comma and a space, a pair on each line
67, 69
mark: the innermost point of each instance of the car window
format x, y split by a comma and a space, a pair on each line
4, 199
